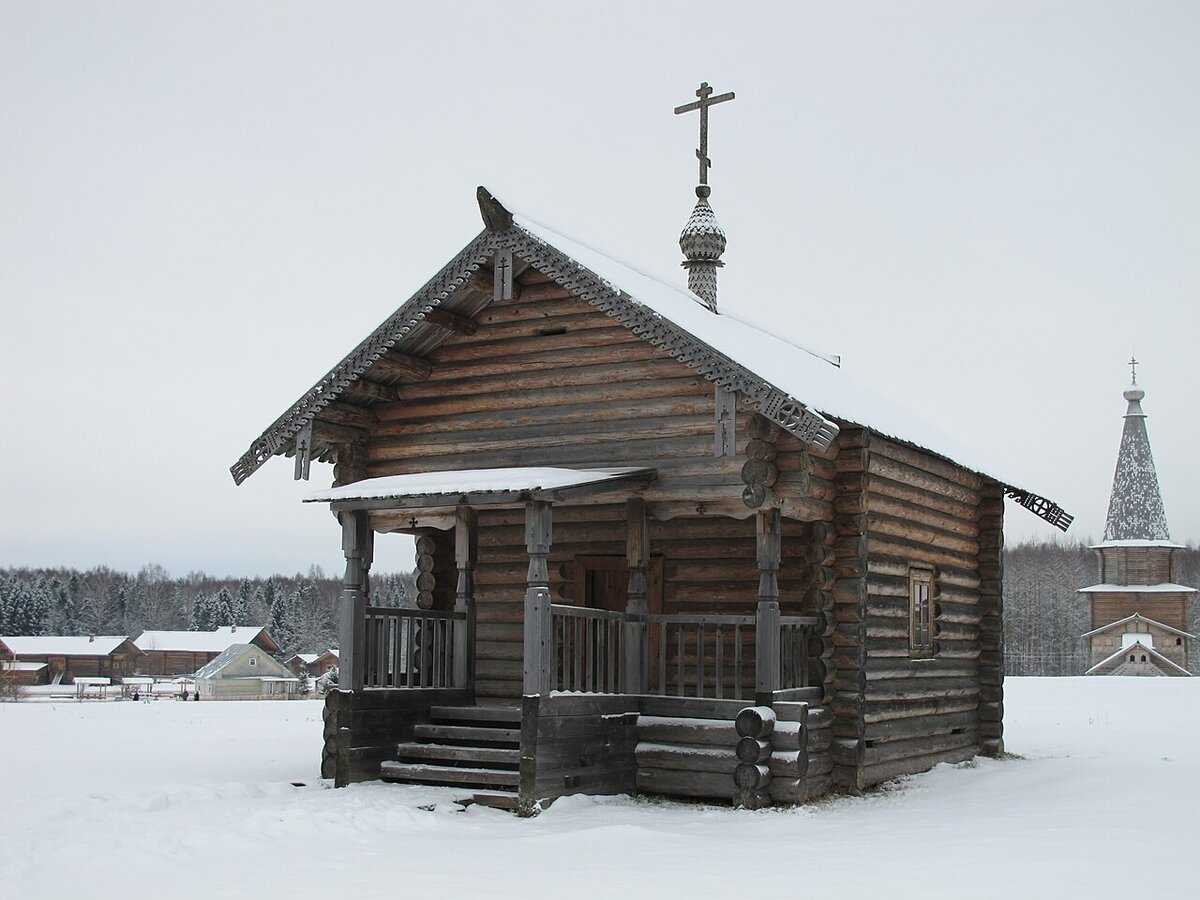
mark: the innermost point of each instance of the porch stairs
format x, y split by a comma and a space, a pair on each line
474, 747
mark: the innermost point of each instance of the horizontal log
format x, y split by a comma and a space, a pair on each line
918, 478
681, 730
883, 711
371, 391
918, 726
755, 721
788, 764
749, 777
927, 462
686, 758
876, 774
675, 783
753, 750
886, 491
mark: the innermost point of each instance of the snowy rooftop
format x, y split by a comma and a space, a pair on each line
215, 641
22, 666
1136, 618
470, 481
1164, 588
60, 645
805, 374
1136, 543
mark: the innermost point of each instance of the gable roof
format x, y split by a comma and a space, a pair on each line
799, 390
67, 645
215, 641
269, 667
1134, 647
1136, 617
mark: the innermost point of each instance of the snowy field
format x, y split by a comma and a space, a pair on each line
185, 800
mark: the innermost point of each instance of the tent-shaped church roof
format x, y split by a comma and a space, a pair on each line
801, 390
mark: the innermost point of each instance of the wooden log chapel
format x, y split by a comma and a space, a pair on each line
658, 550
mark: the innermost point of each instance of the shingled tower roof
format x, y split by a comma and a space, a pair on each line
1135, 509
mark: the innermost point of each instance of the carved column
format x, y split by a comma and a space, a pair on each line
539, 635
766, 666
634, 633
466, 543
357, 546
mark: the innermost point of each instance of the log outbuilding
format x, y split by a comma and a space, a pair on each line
658, 549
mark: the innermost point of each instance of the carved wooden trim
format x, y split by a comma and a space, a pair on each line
397, 326
783, 409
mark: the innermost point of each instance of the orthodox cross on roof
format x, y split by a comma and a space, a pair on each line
706, 100
1133, 368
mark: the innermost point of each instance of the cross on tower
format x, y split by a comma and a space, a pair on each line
1133, 364
706, 100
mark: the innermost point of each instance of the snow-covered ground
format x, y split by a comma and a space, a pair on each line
196, 800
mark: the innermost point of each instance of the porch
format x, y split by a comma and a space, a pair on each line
611, 700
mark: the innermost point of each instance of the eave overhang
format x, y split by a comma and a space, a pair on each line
482, 487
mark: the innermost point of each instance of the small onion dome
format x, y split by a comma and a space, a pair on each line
702, 238
1134, 393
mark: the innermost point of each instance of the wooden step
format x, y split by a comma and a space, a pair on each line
452, 754
507, 714
496, 799
466, 734
392, 770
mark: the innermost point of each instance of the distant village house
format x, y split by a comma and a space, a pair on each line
67, 657
185, 652
246, 672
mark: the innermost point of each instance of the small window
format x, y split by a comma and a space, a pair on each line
920, 612
1178, 642
1143, 657
253, 661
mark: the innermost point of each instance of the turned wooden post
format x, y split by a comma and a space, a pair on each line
356, 547
466, 544
766, 667
539, 632
635, 633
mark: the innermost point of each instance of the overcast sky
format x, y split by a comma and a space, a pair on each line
984, 208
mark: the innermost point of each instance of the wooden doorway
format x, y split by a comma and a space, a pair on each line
602, 582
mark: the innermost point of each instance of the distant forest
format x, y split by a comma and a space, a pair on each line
1043, 614
299, 610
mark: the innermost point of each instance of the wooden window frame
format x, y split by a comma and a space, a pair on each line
922, 617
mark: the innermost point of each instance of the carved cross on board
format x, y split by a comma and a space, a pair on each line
706, 100
1133, 364
503, 283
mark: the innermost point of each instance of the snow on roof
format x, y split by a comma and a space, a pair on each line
10, 666
1136, 543
1136, 617
309, 658
92, 680
1165, 588
467, 481
804, 374
63, 645
214, 666
215, 641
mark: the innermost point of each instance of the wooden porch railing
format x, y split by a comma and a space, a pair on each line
410, 648
587, 649
685, 655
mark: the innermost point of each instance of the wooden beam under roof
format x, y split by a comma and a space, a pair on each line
341, 413
371, 390
402, 365
443, 318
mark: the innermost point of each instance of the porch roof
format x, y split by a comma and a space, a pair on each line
480, 487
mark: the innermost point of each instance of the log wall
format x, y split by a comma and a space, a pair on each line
923, 511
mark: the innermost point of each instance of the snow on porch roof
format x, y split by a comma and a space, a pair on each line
477, 485
64, 645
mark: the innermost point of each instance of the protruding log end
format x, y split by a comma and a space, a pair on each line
495, 217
